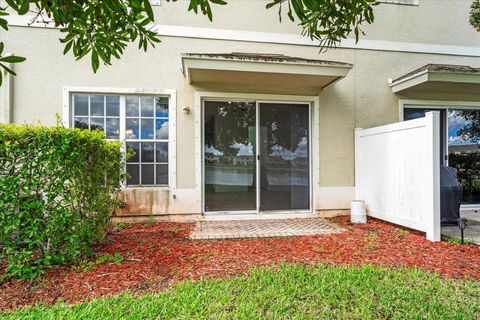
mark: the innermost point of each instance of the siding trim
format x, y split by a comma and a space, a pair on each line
281, 38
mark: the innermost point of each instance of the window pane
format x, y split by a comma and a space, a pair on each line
161, 125
147, 152
131, 131
147, 106
147, 128
284, 140
161, 149
464, 151
161, 107
113, 128
81, 123
113, 106
96, 105
162, 174
80, 102
133, 171
148, 174
97, 124
131, 106
134, 147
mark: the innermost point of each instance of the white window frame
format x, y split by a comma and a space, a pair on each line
172, 124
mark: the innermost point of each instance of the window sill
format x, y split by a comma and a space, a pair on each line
147, 188
401, 2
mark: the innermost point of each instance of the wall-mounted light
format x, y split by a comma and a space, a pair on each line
186, 110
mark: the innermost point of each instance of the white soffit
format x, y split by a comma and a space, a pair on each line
440, 78
265, 72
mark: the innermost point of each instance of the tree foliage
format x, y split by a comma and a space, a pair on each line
475, 15
51, 212
328, 21
470, 131
103, 29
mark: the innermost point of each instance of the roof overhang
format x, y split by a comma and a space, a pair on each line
240, 72
439, 78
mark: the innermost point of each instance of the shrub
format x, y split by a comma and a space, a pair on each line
56, 194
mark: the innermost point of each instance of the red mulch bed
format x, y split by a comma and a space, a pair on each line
159, 255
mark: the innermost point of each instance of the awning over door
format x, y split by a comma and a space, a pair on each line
262, 73
439, 78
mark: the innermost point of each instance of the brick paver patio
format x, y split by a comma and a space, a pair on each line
236, 229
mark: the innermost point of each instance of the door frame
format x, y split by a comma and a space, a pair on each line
314, 147
441, 105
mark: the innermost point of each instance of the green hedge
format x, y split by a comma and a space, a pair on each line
56, 195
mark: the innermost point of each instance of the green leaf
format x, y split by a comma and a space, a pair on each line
148, 9
12, 59
95, 61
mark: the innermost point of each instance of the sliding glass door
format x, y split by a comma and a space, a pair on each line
284, 157
464, 151
230, 156
460, 137
256, 156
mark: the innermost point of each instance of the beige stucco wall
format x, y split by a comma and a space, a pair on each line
432, 21
362, 99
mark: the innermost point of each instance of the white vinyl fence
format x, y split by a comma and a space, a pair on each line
397, 173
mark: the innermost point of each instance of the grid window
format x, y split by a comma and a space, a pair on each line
144, 120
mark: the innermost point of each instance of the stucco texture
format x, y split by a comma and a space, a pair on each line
362, 99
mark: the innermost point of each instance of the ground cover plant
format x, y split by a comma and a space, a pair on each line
57, 190
288, 292
151, 257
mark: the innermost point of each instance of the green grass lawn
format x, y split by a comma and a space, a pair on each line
288, 292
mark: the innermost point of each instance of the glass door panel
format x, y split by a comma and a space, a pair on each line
284, 179
230, 156
464, 151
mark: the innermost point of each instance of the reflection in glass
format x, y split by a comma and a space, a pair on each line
161, 149
148, 174
162, 174
97, 124
147, 106
161, 107
112, 128
229, 156
284, 157
161, 128
96, 105
133, 147
81, 123
133, 171
464, 151
131, 106
113, 106
80, 103
147, 128
148, 153
131, 129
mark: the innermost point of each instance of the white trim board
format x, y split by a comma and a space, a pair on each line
334, 198
281, 38
425, 76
